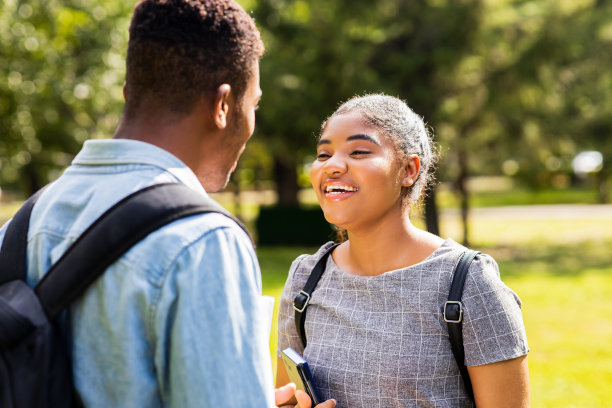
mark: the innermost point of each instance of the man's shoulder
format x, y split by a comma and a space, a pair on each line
192, 243
199, 226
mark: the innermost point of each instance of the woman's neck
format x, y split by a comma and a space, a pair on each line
388, 245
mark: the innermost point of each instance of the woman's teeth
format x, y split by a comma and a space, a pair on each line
339, 189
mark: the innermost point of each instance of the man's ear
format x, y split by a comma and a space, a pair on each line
221, 105
411, 170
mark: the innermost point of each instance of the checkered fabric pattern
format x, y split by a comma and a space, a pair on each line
381, 341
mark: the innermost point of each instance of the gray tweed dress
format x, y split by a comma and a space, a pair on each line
381, 341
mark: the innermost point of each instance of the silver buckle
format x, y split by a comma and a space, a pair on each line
453, 302
305, 303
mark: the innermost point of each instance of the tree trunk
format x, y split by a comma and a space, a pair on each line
431, 211
285, 175
31, 178
603, 187
462, 189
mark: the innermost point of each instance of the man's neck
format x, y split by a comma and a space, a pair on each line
176, 136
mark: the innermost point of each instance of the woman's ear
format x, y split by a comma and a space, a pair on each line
411, 170
221, 105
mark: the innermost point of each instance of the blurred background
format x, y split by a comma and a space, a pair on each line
518, 95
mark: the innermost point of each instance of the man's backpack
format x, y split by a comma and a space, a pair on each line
35, 368
452, 312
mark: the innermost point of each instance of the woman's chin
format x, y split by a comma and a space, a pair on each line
338, 221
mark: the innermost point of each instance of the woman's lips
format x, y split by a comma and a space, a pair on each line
338, 191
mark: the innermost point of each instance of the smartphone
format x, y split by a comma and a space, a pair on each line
299, 373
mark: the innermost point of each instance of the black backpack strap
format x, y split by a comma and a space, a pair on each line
13, 254
453, 315
300, 303
111, 235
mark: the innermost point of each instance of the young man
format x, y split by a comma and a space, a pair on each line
176, 321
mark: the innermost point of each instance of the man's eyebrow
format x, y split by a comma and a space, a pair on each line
362, 136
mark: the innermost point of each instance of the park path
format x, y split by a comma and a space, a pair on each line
563, 211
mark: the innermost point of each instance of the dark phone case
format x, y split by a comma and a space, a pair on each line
299, 373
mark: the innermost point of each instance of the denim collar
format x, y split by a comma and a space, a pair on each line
125, 151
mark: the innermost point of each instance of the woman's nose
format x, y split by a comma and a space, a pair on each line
334, 165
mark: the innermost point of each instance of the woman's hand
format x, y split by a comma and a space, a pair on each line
287, 393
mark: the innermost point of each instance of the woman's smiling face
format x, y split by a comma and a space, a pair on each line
357, 175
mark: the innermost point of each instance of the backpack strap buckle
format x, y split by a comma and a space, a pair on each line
301, 301
454, 313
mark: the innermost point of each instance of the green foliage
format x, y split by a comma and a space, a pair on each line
544, 70
323, 52
61, 75
520, 85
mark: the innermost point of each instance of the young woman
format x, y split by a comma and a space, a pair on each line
376, 336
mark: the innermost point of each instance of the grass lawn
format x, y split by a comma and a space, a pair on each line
562, 270
521, 196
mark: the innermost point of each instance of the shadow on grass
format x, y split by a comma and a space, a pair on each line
553, 258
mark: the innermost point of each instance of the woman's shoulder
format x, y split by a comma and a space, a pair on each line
306, 262
483, 274
448, 255
451, 248
300, 270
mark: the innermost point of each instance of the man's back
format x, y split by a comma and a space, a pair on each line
176, 320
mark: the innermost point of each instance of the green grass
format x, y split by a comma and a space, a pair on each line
562, 270
520, 196
7, 210
570, 332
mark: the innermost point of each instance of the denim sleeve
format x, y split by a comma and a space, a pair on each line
3, 231
211, 347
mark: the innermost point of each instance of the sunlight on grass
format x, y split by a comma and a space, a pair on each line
569, 332
7, 210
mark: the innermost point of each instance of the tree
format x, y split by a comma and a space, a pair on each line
312, 63
549, 100
417, 59
322, 52
61, 75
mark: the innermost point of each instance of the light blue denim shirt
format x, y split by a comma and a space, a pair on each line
177, 320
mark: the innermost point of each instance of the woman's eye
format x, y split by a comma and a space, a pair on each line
360, 152
323, 156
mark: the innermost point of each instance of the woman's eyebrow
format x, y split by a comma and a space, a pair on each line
362, 136
359, 136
